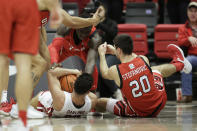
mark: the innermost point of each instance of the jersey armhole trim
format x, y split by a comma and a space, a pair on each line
147, 64
120, 76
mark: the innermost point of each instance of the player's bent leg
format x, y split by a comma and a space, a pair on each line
4, 63
101, 104
39, 66
119, 108
23, 83
166, 70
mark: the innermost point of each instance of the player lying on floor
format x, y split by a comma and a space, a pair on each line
142, 87
56, 102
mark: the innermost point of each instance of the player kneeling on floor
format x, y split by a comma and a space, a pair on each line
59, 103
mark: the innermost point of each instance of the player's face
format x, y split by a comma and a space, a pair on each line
192, 14
83, 32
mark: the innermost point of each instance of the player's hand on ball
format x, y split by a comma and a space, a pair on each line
78, 72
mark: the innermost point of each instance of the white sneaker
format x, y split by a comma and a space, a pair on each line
187, 66
31, 112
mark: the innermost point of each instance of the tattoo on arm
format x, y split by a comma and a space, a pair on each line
35, 77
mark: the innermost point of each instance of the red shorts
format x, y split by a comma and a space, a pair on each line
19, 28
123, 108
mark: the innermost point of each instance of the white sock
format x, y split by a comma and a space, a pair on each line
4, 96
110, 105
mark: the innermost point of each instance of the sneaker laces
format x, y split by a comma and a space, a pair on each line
178, 59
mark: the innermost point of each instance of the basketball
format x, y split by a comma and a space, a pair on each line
67, 82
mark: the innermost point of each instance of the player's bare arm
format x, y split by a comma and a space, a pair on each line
77, 22
58, 72
43, 49
55, 87
93, 98
47, 4
107, 73
92, 53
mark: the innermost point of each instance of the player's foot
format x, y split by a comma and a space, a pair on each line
178, 56
6, 107
31, 112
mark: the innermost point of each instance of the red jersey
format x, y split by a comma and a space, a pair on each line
44, 17
138, 87
62, 48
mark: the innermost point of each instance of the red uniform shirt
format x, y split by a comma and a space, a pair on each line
138, 87
62, 48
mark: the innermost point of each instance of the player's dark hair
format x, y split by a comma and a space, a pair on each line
83, 83
124, 42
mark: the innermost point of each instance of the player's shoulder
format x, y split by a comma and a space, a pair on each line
145, 59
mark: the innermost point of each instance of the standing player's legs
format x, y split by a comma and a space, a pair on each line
23, 85
25, 41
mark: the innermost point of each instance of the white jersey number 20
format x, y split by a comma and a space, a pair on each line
135, 90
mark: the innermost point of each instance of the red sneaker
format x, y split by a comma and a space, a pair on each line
175, 52
178, 56
6, 107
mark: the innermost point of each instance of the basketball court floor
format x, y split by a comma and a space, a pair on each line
175, 117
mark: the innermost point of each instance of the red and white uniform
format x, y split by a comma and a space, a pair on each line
19, 27
44, 17
143, 90
69, 109
62, 48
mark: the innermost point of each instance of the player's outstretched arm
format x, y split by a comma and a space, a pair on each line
93, 98
77, 22
105, 70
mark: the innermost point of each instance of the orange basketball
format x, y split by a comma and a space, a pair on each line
67, 82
